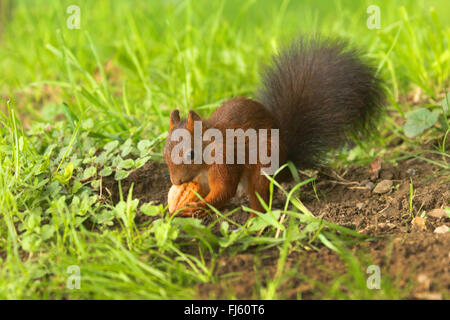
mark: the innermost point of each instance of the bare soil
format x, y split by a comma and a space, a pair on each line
410, 253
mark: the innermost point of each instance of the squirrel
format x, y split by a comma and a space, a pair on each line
318, 92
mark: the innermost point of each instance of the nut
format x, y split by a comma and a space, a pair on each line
182, 194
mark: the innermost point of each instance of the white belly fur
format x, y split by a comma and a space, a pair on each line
242, 186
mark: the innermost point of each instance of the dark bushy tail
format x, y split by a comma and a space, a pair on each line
321, 92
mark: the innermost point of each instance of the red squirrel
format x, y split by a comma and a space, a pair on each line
317, 92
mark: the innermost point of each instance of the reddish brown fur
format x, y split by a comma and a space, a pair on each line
224, 178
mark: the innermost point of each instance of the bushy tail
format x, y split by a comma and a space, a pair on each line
321, 92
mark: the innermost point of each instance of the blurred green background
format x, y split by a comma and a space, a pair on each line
82, 100
196, 53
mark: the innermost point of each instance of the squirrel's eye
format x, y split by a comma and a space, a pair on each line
190, 155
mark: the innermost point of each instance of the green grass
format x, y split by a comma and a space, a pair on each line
82, 101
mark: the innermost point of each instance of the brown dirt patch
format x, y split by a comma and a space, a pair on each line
414, 258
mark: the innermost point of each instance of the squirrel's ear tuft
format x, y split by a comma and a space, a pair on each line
174, 119
192, 117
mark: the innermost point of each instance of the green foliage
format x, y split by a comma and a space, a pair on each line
419, 120
93, 104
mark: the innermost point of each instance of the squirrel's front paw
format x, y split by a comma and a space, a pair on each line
194, 209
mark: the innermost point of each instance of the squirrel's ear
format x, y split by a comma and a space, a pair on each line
174, 119
192, 117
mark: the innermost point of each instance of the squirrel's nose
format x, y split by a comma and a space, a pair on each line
176, 181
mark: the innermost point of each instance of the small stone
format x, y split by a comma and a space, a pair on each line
368, 184
442, 229
424, 280
436, 213
419, 223
383, 186
411, 172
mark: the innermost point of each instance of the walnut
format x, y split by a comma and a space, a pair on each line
182, 194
